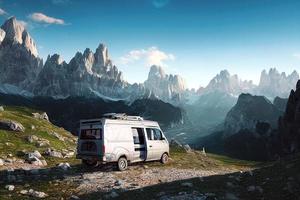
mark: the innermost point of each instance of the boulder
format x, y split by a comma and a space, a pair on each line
64, 166
11, 125
37, 194
43, 116
10, 187
53, 153
39, 142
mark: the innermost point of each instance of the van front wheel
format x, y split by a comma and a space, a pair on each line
164, 158
122, 164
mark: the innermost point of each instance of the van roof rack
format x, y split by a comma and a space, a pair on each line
122, 116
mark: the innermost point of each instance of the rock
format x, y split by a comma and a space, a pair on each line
187, 148
1, 162
145, 166
44, 162
68, 154
187, 184
24, 192
55, 154
10, 187
34, 159
37, 154
64, 166
43, 116
32, 138
11, 125
37, 194
32, 127
118, 183
74, 197
1, 109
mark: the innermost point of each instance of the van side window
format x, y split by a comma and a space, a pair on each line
149, 133
153, 134
138, 135
157, 134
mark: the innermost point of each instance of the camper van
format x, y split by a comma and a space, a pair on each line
121, 139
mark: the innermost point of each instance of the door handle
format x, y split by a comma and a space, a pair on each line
150, 145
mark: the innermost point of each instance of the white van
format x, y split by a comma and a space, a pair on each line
120, 138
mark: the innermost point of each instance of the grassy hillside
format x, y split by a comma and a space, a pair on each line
12, 142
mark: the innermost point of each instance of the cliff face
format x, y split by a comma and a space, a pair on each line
164, 86
289, 124
19, 61
274, 84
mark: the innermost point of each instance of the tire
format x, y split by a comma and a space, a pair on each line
90, 163
164, 158
122, 164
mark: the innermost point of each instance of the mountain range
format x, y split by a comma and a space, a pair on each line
93, 74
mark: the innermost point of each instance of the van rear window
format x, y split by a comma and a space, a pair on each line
91, 134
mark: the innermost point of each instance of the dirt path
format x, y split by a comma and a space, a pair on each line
136, 177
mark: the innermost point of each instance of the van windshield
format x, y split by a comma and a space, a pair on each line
91, 134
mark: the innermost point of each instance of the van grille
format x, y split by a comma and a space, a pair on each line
89, 146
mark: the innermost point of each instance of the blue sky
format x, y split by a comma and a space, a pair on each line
193, 38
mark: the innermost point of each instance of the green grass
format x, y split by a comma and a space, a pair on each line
12, 142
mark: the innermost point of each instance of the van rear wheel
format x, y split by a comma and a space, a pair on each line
164, 158
122, 164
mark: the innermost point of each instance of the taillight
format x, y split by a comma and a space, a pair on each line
103, 148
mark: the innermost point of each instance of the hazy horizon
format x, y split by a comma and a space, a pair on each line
197, 39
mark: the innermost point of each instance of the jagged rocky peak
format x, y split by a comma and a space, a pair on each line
101, 56
274, 83
156, 72
19, 61
167, 87
230, 84
55, 59
15, 33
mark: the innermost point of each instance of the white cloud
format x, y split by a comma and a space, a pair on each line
42, 18
296, 55
2, 12
150, 56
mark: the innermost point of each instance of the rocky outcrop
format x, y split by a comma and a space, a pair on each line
11, 126
166, 87
248, 112
19, 61
274, 84
289, 124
